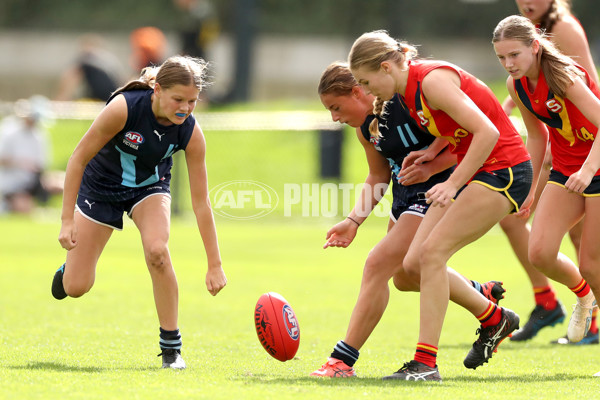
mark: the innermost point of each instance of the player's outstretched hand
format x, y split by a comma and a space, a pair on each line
342, 234
215, 280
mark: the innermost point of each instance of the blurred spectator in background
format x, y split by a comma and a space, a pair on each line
199, 26
24, 156
94, 75
148, 48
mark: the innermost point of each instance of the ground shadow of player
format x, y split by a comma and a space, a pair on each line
64, 367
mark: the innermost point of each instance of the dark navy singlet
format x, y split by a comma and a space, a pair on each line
400, 135
138, 156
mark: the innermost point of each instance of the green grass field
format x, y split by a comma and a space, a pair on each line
104, 345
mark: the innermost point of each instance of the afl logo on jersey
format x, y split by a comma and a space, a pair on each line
134, 137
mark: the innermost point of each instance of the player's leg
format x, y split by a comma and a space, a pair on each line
575, 235
383, 262
473, 213
152, 216
548, 309
589, 250
77, 275
547, 232
443, 232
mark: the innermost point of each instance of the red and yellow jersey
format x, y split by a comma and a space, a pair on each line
571, 134
508, 151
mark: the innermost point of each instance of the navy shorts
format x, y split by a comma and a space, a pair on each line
593, 189
513, 182
411, 199
111, 213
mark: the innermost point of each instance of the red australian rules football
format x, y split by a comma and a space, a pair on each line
277, 326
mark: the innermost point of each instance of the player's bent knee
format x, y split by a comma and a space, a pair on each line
381, 266
406, 283
538, 257
77, 289
411, 267
511, 223
157, 256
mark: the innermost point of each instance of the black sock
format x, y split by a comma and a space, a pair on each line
345, 352
170, 339
58, 289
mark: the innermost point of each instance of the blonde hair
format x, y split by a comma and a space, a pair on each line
559, 70
176, 70
373, 48
369, 51
378, 110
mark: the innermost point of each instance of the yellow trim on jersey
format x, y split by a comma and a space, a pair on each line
567, 130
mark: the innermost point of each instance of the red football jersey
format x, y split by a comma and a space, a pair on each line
571, 134
508, 151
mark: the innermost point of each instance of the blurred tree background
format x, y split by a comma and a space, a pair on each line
417, 18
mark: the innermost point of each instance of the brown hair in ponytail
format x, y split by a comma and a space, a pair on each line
559, 70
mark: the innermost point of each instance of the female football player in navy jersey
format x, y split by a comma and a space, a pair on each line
398, 151
122, 164
492, 178
558, 101
554, 17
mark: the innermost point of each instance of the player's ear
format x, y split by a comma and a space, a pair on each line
386, 66
357, 91
535, 45
157, 89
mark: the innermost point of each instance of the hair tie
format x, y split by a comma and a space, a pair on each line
353, 220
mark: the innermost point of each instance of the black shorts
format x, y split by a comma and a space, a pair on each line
111, 213
411, 199
593, 189
513, 182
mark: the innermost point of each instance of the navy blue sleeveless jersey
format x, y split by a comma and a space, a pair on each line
138, 156
400, 135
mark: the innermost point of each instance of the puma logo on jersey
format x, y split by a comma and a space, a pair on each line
159, 135
89, 204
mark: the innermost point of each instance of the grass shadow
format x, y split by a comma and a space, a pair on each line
54, 366
61, 367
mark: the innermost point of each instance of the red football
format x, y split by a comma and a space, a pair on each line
277, 326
